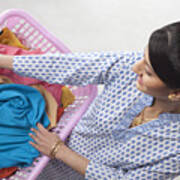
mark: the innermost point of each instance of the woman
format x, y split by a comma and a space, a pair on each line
132, 129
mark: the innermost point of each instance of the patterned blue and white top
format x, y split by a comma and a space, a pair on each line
148, 151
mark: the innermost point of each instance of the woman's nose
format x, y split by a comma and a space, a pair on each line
138, 67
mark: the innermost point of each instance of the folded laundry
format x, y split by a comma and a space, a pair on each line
61, 93
9, 38
54, 89
21, 107
53, 111
13, 48
11, 45
51, 104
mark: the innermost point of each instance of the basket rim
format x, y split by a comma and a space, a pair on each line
34, 22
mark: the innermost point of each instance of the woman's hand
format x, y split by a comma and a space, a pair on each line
44, 140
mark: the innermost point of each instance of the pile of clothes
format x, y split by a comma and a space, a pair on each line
24, 102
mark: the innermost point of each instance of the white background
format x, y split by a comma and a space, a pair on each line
95, 25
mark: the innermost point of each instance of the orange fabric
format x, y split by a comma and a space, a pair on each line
67, 97
9, 38
5, 172
51, 105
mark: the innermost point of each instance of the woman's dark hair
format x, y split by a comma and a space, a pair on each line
164, 54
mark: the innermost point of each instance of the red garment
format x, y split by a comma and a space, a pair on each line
54, 89
6, 172
60, 111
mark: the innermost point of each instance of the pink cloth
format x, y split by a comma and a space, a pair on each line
54, 89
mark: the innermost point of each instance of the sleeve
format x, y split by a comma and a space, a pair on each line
166, 169
73, 68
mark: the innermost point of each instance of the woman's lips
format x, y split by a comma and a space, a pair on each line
140, 81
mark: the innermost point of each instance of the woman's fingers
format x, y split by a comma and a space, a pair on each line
34, 130
38, 133
42, 129
35, 145
34, 137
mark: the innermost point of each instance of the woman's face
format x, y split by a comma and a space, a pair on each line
148, 82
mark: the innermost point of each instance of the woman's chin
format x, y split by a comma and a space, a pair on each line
139, 86
142, 88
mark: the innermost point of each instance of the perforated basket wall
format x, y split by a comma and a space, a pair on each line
34, 35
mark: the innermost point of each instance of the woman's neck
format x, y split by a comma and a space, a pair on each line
164, 105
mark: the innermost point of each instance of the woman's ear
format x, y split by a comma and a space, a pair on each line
174, 96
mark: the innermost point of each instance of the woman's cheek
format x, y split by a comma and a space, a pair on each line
150, 83
154, 86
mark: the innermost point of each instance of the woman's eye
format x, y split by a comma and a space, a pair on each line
148, 73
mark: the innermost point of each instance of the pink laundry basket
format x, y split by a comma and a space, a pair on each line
34, 35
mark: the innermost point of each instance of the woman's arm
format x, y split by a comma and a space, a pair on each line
72, 159
77, 69
167, 168
74, 68
6, 61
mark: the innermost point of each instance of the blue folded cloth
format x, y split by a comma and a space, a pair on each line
21, 108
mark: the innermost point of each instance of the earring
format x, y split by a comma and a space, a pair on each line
171, 97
